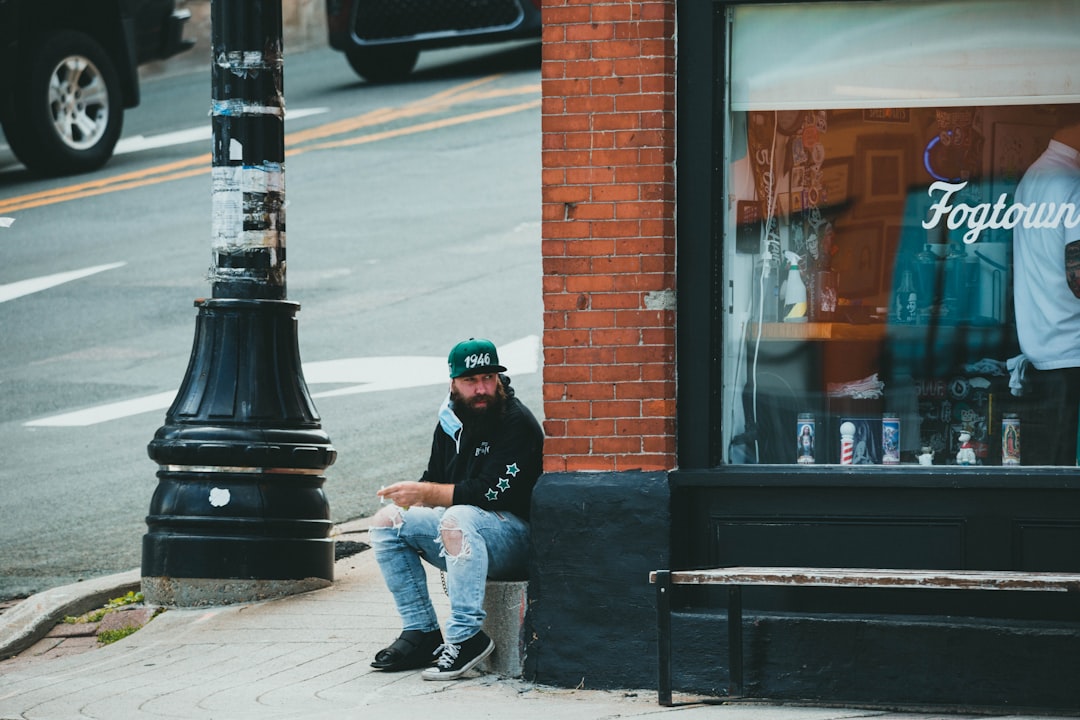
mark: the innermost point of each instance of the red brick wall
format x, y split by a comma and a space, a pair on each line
608, 78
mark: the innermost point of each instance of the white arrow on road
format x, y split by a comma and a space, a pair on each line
33, 285
520, 357
359, 375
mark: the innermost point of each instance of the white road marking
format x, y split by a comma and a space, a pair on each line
103, 413
521, 357
137, 143
33, 285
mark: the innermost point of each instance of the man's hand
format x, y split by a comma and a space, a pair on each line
409, 494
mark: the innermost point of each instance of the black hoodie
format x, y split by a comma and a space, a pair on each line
494, 463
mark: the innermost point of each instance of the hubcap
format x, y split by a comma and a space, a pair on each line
79, 102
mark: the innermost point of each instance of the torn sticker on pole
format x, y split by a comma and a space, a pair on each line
248, 207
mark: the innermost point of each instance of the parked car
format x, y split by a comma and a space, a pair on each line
382, 39
69, 69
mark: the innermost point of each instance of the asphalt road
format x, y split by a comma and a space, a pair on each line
413, 222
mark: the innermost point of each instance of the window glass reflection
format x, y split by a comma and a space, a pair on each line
905, 282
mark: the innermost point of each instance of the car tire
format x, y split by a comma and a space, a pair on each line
382, 64
69, 106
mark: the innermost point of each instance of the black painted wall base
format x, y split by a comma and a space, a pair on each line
888, 661
592, 614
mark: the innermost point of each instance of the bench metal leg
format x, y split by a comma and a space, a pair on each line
735, 653
663, 632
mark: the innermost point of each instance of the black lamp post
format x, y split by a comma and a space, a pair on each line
239, 512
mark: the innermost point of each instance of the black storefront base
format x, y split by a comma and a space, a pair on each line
940, 662
882, 646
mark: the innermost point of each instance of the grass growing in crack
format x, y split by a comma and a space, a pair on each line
106, 637
132, 598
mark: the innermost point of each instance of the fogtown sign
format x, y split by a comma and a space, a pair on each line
1000, 215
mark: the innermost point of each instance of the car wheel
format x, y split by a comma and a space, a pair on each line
70, 109
382, 64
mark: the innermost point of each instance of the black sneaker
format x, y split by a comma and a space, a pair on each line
413, 649
456, 659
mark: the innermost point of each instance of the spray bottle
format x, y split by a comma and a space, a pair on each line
795, 292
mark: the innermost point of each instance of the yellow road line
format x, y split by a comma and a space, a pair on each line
14, 205
124, 178
298, 142
422, 127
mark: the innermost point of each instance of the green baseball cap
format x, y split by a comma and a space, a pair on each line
472, 357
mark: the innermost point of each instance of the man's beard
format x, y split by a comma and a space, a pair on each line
467, 411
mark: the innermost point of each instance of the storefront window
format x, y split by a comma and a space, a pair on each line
902, 285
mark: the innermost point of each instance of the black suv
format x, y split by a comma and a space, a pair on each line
382, 39
69, 69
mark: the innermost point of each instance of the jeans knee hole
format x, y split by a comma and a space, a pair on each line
455, 544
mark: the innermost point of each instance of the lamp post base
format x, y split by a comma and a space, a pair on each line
239, 512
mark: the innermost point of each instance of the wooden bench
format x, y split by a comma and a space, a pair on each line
736, 577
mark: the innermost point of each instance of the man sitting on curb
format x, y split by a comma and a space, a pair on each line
467, 515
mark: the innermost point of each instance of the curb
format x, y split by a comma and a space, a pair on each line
33, 618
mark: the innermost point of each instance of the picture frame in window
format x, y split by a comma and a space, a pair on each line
882, 175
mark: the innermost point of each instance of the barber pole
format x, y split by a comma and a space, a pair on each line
847, 443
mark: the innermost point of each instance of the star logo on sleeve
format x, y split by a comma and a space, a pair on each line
503, 484
512, 470
491, 495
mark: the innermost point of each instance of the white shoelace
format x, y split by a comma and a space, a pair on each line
448, 654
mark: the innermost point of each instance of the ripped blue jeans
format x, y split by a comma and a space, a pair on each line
485, 545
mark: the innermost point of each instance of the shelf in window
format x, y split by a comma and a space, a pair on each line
820, 331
